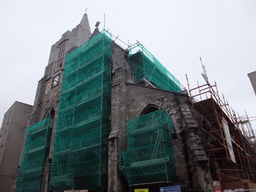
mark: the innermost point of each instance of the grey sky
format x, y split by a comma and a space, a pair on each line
176, 32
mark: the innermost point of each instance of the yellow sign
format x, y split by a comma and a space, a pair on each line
140, 190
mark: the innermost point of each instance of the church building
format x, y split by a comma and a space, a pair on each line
111, 119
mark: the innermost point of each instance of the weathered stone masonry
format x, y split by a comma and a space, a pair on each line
129, 100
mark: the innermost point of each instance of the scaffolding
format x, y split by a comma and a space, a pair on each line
35, 152
246, 127
149, 156
230, 153
83, 125
145, 65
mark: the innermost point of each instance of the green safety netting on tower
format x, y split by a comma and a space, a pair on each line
35, 152
145, 65
149, 156
83, 125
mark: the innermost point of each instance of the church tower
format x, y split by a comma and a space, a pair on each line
48, 90
38, 146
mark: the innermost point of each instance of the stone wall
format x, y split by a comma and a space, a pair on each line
130, 100
117, 138
191, 162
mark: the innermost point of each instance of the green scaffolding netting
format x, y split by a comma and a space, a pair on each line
35, 152
83, 125
145, 65
149, 156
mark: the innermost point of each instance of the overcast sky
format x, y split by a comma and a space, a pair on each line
176, 32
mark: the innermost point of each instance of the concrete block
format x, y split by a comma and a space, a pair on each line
199, 153
201, 158
189, 121
196, 147
193, 125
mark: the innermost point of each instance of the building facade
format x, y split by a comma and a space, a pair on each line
112, 119
12, 135
252, 77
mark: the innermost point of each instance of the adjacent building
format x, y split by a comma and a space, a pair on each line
252, 77
12, 134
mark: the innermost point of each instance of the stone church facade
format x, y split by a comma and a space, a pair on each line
128, 100
61, 116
